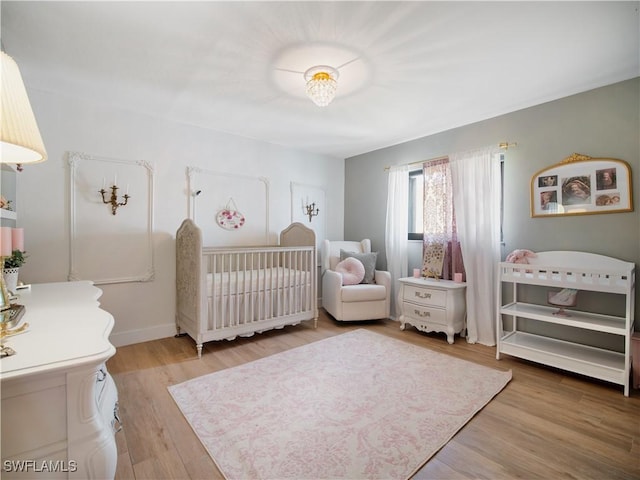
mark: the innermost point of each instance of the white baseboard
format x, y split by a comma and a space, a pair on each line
120, 339
130, 337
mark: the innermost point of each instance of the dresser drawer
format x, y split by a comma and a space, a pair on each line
425, 313
426, 296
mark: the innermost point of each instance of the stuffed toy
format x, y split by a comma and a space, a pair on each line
520, 256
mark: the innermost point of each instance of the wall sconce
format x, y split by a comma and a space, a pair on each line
113, 201
311, 210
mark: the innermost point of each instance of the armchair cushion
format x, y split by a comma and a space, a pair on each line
352, 271
367, 259
363, 293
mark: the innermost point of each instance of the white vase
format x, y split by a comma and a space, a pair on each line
11, 278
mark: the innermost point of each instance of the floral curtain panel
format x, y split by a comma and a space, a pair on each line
442, 256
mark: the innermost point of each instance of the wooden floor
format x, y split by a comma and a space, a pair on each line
545, 424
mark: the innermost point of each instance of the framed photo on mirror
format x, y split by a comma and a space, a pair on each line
582, 185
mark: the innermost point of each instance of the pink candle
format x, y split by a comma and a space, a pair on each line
17, 239
457, 277
416, 272
5, 241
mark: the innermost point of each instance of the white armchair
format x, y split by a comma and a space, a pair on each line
364, 301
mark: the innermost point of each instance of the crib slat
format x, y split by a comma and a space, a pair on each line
239, 289
260, 282
287, 284
211, 316
293, 282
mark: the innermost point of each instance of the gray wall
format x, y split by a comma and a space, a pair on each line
600, 123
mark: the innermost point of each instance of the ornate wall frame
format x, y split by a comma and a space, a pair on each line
210, 191
301, 195
582, 185
104, 247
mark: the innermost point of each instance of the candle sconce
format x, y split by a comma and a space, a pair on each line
311, 210
113, 201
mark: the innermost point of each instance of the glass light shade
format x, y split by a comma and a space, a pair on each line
321, 84
20, 140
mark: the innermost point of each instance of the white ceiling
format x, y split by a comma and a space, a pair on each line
411, 68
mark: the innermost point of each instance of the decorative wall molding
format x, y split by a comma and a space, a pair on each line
209, 191
107, 248
302, 194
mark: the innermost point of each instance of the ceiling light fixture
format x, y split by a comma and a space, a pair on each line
20, 140
321, 84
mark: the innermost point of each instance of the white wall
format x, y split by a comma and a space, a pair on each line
145, 310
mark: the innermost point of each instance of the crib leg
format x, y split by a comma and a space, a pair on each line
315, 322
199, 348
179, 333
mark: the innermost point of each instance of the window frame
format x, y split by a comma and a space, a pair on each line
419, 172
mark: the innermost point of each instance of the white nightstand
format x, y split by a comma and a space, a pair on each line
433, 305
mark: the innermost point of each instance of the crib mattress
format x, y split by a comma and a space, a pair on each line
251, 281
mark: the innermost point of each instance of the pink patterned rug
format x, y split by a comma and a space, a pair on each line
357, 405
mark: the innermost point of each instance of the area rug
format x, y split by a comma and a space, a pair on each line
357, 405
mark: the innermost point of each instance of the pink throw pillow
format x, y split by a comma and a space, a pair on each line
352, 271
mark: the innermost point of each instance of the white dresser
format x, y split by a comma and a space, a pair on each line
59, 403
433, 305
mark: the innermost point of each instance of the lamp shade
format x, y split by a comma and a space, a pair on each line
20, 140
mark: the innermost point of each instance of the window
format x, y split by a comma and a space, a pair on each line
416, 194
416, 197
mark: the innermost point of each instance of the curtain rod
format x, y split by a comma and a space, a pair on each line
419, 163
503, 145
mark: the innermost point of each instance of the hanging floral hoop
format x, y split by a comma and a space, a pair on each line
229, 217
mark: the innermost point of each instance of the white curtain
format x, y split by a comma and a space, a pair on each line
476, 199
397, 228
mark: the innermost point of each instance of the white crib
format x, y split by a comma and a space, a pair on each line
225, 292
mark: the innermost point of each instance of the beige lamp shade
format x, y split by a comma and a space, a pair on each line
20, 140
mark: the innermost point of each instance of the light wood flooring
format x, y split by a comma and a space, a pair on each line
545, 424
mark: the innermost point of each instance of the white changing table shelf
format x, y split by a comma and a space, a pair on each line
581, 271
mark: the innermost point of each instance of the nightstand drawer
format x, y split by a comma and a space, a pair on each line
426, 296
425, 313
